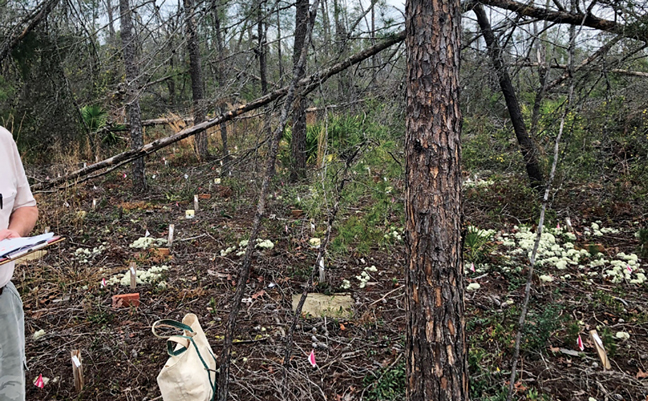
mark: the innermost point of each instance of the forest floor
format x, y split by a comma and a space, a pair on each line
594, 283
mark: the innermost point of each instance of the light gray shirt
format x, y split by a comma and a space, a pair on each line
14, 189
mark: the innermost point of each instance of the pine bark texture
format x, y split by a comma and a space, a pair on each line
195, 70
132, 91
527, 147
298, 141
437, 367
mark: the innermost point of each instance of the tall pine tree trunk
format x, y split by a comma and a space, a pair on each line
298, 141
195, 70
527, 147
437, 367
129, 51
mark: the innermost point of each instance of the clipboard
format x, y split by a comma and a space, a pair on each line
26, 251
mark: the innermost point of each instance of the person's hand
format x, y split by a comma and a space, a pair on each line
6, 233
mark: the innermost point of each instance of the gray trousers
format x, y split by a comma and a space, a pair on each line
12, 346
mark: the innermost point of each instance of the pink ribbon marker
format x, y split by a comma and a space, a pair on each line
580, 343
629, 268
103, 282
472, 267
311, 358
39, 382
558, 226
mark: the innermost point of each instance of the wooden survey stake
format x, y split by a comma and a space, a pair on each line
77, 370
196, 203
600, 349
171, 229
133, 275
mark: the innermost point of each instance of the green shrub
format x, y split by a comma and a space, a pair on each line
388, 384
478, 245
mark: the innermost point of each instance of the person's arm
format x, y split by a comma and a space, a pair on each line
21, 222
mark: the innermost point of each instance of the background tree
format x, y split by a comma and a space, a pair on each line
527, 147
298, 138
197, 90
129, 56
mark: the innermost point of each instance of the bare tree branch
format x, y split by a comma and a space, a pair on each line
307, 85
636, 31
45, 8
620, 71
604, 49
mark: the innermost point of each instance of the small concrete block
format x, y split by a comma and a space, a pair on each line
318, 305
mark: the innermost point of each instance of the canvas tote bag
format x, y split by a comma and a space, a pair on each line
190, 372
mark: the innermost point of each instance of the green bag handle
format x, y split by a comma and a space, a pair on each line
169, 323
171, 345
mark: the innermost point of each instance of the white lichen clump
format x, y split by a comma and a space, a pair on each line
242, 246
265, 244
623, 268
394, 233
148, 242
551, 251
622, 335
149, 276
84, 255
346, 284
225, 252
364, 277
473, 287
556, 250
478, 183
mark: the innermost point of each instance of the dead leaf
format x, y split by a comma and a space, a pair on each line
258, 294
342, 327
642, 375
